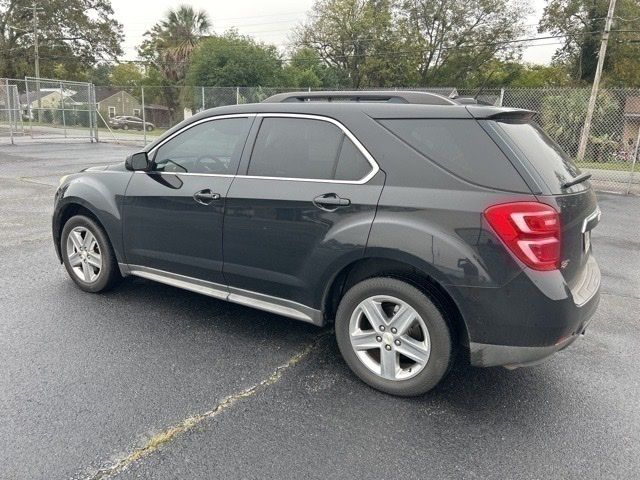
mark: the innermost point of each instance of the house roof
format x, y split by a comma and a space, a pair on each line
39, 95
35, 96
103, 93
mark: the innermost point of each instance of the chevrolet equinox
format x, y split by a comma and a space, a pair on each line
420, 225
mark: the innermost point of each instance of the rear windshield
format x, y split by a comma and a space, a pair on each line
554, 166
461, 147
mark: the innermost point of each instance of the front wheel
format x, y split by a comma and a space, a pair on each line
87, 255
393, 337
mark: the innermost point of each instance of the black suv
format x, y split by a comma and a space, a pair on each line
420, 225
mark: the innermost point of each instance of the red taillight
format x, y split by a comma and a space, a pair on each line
530, 230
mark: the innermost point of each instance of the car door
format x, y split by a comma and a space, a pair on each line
303, 209
173, 214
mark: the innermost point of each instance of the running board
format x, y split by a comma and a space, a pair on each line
267, 303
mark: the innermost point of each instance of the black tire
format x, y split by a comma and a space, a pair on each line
149, 128
441, 355
109, 273
125, 127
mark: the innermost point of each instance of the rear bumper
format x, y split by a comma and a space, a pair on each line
483, 355
531, 319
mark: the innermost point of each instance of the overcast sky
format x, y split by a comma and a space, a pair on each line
267, 20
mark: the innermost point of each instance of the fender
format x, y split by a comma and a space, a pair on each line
100, 192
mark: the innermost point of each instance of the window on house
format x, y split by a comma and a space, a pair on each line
136, 112
112, 112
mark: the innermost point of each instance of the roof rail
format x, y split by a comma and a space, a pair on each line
423, 98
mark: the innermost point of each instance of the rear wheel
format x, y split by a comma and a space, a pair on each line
393, 337
87, 255
149, 128
125, 127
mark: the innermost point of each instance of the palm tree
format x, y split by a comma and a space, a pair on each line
171, 41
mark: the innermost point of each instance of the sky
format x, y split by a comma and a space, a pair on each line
270, 21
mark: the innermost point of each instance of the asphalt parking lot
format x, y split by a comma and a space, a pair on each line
149, 381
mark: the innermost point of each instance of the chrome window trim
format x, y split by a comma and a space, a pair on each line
375, 168
260, 301
374, 165
154, 150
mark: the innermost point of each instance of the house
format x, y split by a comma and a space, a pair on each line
114, 103
46, 99
631, 122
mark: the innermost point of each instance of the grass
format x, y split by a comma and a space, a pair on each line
618, 167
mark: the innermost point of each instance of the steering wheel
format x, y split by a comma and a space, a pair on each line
211, 164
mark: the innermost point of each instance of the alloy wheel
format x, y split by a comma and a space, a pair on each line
389, 337
83, 253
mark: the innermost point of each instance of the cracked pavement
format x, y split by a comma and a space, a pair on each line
86, 381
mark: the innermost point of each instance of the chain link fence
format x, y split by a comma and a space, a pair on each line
612, 148
38, 108
53, 109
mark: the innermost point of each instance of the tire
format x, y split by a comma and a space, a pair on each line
149, 128
125, 127
87, 256
425, 335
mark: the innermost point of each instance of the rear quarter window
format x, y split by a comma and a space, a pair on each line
550, 161
461, 147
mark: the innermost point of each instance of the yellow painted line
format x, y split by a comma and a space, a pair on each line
169, 434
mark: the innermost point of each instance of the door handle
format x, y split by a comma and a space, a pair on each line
331, 201
206, 196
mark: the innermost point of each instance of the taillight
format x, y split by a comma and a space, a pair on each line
530, 230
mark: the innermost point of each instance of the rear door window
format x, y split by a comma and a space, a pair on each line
462, 148
306, 149
550, 161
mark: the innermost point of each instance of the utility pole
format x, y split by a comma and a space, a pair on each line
35, 39
584, 138
37, 58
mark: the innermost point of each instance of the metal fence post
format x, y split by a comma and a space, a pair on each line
94, 110
144, 116
89, 115
501, 97
18, 109
8, 105
203, 104
237, 95
64, 119
29, 111
633, 162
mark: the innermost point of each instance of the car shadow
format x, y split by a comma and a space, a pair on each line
465, 389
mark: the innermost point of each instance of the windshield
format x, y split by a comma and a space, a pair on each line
551, 162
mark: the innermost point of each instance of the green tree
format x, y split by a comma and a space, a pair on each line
126, 75
359, 38
413, 42
233, 60
497, 74
455, 39
562, 116
74, 34
305, 69
581, 23
171, 42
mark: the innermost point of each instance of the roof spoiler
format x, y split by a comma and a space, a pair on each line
518, 115
414, 97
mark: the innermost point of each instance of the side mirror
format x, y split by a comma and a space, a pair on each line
138, 162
